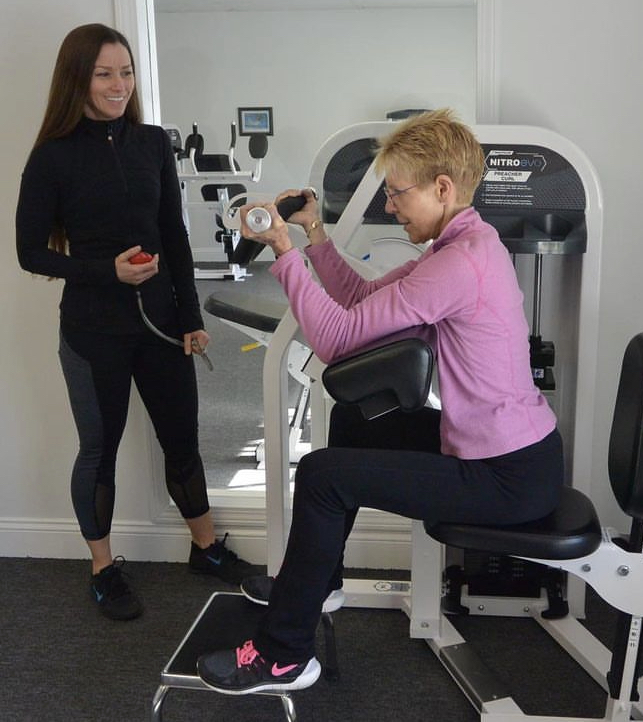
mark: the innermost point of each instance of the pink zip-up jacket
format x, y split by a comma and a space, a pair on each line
464, 286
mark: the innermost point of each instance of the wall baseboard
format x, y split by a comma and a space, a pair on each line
383, 545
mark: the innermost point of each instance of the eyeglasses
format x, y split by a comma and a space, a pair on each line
393, 194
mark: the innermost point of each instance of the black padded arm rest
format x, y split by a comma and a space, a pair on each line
246, 309
394, 374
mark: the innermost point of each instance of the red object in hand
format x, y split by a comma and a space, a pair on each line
141, 257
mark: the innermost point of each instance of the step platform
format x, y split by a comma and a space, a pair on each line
226, 621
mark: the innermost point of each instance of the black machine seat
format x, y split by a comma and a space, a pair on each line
571, 531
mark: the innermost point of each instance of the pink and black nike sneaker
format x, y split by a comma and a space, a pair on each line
244, 671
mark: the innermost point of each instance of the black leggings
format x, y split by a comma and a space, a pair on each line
98, 370
393, 464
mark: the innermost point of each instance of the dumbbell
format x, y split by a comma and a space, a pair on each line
258, 220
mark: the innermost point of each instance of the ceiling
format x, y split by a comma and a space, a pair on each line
177, 6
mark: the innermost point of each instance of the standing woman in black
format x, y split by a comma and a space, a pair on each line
100, 187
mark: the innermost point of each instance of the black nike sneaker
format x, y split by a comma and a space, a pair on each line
244, 671
221, 562
112, 593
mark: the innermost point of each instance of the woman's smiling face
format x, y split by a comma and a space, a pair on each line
112, 83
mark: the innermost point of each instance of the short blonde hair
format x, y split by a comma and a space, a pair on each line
432, 143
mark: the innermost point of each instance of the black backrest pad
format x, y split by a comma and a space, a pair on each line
626, 474
395, 373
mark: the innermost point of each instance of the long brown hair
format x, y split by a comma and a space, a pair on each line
70, 89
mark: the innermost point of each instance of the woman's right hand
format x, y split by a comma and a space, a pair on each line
306, 215
135, 273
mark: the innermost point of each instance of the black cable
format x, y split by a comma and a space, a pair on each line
165, 337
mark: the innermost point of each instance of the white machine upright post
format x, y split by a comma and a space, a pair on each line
275, 399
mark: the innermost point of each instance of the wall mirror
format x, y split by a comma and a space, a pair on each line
320, 66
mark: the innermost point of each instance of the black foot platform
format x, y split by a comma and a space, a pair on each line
224, 622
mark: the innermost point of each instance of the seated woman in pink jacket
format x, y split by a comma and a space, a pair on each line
491, 455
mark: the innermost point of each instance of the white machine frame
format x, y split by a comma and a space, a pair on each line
421, 598
189, 175
615, 574
583, 377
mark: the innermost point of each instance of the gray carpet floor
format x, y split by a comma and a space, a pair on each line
62, 661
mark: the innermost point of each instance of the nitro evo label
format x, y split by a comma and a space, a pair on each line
509, 166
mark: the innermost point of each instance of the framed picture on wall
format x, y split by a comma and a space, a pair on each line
255, 121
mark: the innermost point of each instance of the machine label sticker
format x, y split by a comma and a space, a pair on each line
512, 166
506, 177
528, 177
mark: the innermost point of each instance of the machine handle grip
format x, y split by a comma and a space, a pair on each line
290, 205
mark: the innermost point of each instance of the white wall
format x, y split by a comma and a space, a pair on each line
38, 440
319, 70
576, 67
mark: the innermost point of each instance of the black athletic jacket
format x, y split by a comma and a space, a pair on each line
109, 195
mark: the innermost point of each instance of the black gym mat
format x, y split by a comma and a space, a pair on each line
226, 621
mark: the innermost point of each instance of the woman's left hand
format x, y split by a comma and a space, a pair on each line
276, 236
195, 342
